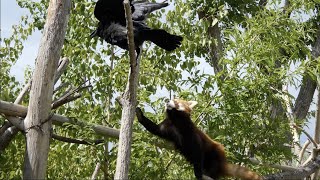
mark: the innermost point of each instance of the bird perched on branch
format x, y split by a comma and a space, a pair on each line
112, 25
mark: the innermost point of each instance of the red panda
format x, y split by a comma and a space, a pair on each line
207, 156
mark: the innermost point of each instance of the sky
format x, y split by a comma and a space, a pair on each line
10, 15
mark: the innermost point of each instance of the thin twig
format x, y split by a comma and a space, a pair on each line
306, 133
303, 150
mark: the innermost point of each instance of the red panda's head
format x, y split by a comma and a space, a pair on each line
180, 105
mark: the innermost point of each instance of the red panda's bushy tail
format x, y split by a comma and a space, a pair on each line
241, 172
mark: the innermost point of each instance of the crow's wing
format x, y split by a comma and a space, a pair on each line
111, 10
144, 8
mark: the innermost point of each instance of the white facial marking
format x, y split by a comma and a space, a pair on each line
170, 105
181, 107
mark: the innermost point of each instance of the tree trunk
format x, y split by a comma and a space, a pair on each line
308, 86
128, 102
38, 121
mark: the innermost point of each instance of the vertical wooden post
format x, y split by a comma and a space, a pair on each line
37, 123
128, 101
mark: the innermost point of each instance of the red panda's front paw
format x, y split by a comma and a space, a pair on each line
139, 113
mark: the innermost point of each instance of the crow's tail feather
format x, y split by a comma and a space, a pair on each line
163, 39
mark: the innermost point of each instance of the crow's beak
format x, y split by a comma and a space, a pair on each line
93, 34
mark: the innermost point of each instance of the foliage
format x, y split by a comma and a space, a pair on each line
234, 111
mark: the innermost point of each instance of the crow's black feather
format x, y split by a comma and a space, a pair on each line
112, 25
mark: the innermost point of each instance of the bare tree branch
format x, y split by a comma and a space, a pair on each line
4, 127
76, 141
21, 111
129, 101
276, 166
307, 134
301, 173
303, 150
64, 100
23, 92
7, 136
296, 137
61, 68
96, 171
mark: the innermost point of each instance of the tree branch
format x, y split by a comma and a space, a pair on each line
303, 150
76, 141
216, 48
129, 101
4, 127
64, 100
11, 109
61, 68
276, 166
96, 171
301, 173
307, 134
7, 136
23, 92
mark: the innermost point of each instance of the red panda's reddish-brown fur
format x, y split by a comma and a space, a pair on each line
207, 156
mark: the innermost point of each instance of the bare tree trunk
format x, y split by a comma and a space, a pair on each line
37, 123
128, 102
315, 152
216, 48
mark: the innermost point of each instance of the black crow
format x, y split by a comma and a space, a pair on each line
112, 25
113, 10
116, 34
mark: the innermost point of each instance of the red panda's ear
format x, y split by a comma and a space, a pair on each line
192, 104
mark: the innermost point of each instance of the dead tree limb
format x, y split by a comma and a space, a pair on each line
6, 137
10, 131
129, 101
37, 122
96, 171
76, 141
301, 173
16, 110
